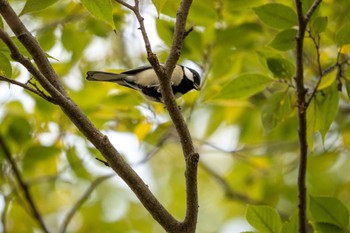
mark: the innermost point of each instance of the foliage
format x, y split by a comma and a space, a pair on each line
243, 121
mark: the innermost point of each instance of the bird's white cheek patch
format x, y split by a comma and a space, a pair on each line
188, 74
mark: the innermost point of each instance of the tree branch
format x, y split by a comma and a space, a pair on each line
100, 141
28, 88
302, 107
81, 201
311, 11
31, 44
34, 209
164, 76
324, 73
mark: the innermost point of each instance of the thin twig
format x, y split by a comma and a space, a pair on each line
311, 11
82, 200
324, 73
17, 56
24, 187
28, 88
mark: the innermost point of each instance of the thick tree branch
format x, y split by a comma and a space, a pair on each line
49, 80
33, 208
164, 75
31, 44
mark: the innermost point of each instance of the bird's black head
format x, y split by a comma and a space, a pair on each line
195, 78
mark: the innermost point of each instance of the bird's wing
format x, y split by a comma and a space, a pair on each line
136, 70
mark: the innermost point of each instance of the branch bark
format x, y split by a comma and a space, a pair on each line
49, 80
302, 107
164, 76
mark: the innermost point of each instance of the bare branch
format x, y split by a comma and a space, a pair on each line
31, 44
82, 200
302, 107
100, 141
34, 209
164, 76
28, 88
17, 56
311, 10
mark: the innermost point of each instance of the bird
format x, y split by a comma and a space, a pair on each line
145, 80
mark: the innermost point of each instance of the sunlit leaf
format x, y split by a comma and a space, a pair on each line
265, 219
284, 40
327, 80
36, 5
329, 210
5, 66
142, 129
159, 4
244, 86
101, 9
277, 15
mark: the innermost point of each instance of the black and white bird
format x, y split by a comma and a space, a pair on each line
145, 80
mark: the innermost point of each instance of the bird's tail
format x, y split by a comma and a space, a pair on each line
105, 76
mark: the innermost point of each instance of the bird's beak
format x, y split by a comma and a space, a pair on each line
196, 86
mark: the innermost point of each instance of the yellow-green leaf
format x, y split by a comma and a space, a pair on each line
244, 86
36, 5
101, 9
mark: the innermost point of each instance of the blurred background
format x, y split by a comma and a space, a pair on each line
247, 142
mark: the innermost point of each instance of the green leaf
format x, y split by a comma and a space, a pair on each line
292, 225
69, 34
321, 112
76, 164
276, 109
19, 129
277, 15
36, 5
101, 9
244, 86
5, 66
280, 67
327, 228
40, 160
284, 40
264, 219
47, 39
329, 210
159, 4
342, 36
319, 25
